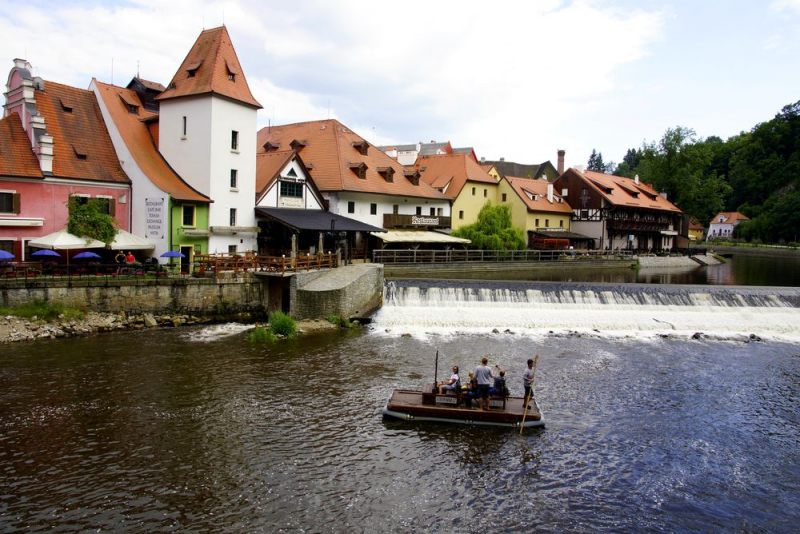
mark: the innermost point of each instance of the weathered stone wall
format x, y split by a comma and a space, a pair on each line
346, 292
191, 296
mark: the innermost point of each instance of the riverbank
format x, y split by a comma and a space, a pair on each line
15, 329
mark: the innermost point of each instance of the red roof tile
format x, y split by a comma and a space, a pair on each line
730, 217
329, 154
82, 148
625, 191
450, 172
16, 156
211, 66
525, 188
137, 138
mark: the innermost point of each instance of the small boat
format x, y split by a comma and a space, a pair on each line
427, 405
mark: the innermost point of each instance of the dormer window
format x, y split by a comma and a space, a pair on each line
232, 72
271, 147
298, 145
412, 176
66, 105
80, 152
130, 104
362, 147
359, 169
192, 69
387, 173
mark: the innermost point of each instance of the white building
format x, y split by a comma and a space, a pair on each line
207, 133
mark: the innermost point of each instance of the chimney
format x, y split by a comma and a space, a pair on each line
550, 193
483, 159
44, 151
502, 159
636, 179
560, 167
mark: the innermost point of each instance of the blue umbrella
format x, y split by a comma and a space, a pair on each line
46, 252
172, 254
85, 255
6, 255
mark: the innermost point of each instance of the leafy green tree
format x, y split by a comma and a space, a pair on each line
89, 219
596, 163
630, 164
493, 230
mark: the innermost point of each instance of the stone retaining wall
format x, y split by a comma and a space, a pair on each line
349, 291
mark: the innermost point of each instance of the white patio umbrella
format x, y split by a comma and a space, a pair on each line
63, 240
128, 241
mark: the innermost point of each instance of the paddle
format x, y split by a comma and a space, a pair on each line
436, 371
530, 396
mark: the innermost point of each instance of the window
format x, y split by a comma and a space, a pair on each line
561, 223
184, 125
373, 209
504, 197
584, 214
537, 223
485, 193
234, 140
233, 216
461, 214
6, 245
188, 215
439, 211
234, 178
547, 223
419, 210
473, 191
7, 202
351, 207
232, 249
104, 204
291, 189
433, 212
395, 209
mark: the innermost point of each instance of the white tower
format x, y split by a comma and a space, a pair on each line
207, 133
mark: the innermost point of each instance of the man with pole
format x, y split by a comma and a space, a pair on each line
527, 381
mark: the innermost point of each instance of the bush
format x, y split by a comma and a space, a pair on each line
259, 334
341, 322
281, 324
44, 310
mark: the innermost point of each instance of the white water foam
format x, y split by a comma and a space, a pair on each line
217, 331
605, 314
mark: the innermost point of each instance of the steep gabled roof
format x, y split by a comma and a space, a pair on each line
334, 161
625, 191
82, 148
432, 148
269, 166
510, 168
16, 156
527, 189
211, 66
136, 136
450, 172
731, 217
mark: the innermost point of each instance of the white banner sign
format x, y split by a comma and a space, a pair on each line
154, 217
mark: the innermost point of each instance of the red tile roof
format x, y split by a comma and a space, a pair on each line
82, 148
625, 191
16, 156
526, 187
333, 160
268, 166
211, 66
731, 217
450, 172
137, 138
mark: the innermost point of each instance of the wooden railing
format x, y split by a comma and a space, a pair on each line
451, 256
215, 263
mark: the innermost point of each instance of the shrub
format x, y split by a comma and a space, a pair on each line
260, 334
341, 322
281, 324
44, 310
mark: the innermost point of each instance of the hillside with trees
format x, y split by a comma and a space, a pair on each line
756, 173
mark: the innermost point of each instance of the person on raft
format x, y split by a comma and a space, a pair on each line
452, 383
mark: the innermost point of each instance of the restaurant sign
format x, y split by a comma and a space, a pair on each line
416, 220
154, 217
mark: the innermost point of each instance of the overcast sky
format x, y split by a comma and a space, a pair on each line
513, 79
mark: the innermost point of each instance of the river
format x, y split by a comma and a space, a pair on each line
195, 429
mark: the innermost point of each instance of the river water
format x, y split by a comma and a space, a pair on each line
196, 429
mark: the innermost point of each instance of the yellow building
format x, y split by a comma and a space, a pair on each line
536, 209
460, 178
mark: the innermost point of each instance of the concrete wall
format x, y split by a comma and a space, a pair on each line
346, 292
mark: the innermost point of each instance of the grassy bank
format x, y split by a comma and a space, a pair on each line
41, 309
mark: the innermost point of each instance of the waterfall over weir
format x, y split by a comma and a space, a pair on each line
601, 310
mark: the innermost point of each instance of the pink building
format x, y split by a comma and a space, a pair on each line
53, 145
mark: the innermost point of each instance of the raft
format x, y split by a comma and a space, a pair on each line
425, 405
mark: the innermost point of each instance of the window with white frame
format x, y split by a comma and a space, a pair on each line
233, 216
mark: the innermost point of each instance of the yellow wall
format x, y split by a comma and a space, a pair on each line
522, 218
494, 174
697, 234
471, 204
551, 217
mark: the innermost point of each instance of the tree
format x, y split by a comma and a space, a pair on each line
630, 164
493, 230
595, 162
89, 219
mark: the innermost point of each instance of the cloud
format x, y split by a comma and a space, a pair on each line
782, 5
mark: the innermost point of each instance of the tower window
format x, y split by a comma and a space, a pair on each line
234, 140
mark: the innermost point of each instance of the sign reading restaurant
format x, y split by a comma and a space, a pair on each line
417, 220
154, 217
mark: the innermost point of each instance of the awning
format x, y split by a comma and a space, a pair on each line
316, 220
561, 234
63, 240
669, 232
418, 236
128, 241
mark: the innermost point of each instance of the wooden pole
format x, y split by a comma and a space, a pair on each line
436, 370
530, 397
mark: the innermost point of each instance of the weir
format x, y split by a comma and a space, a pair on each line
603, 310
